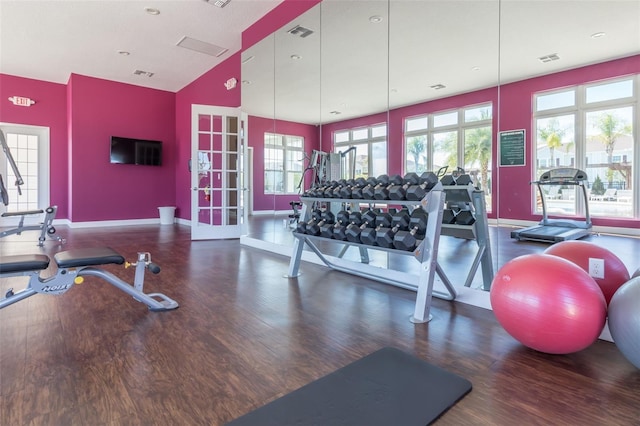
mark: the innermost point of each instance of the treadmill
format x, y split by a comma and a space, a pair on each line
556, 230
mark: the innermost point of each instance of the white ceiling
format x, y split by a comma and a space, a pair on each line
48, 40
366, 67
465, 45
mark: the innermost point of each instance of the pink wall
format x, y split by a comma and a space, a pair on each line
208, 89
49, 111
514, 192
257, 128
100, 109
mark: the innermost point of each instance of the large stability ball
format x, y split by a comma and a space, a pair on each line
548, 303
580, 252
624, 320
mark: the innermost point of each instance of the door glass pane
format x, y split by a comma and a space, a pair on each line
204, 123
204, 141
445, 150
232, 216
610, 153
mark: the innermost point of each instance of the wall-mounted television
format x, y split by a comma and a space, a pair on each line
135, 151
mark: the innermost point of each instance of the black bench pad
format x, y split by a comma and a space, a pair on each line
23, 263
88, 256
24, 213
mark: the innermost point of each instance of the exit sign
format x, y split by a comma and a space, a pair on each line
21, 101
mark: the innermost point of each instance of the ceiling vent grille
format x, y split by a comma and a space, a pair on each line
549, 58
218, 3
201, 46
300, 31
143, 73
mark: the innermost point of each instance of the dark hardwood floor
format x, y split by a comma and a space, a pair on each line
244, 335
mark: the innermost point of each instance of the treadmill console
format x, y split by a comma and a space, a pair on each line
562, 175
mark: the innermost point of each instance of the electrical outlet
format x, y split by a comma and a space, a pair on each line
596, 267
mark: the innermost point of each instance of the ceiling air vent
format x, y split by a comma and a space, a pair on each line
201, 46
143, 73
218, 3
300, 31
549, 58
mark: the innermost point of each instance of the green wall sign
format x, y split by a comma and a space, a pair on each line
512, 148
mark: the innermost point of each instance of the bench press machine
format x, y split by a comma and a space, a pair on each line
72, 267
46, 227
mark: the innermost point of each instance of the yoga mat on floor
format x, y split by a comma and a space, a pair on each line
388, 387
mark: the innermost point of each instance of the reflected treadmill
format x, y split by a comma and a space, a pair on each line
556, 230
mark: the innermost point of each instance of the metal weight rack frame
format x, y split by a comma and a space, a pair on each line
426, 253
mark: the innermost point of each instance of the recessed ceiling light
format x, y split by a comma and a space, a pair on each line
152, 11
438, 86
598, 34
375, 19
475, 69
247, 82
394, 90
335, 112
123, 53
296, 57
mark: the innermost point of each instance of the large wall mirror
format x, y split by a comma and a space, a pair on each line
444, 79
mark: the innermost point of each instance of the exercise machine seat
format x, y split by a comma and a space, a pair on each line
88, 256
23, 263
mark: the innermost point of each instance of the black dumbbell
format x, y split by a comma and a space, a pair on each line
384, 236
356, 190
406, 240
383, 219
399, 192
369, 216
401, 219
355, 217
339, 231
368, 235
381, 191
465, 217
345, 191
326, 218
337, 190
448, 216
417, 192
369, 189
316, 215
343, 216
353, 232
419, 218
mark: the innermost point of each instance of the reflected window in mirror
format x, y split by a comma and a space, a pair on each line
589, 127
283, 163
369, 154
459, 138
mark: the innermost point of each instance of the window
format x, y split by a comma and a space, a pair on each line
369, 156
590, 127
459, 138
283, 163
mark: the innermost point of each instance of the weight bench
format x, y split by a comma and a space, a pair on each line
72, 267
45, 228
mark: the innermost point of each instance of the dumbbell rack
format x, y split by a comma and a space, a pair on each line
426, 253
478, 231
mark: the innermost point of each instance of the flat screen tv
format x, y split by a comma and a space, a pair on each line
135, 151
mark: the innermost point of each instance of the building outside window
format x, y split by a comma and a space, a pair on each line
283, 163
369, 158
589, 127
451, 139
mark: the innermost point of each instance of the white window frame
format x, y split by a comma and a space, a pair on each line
286, 148
369, 141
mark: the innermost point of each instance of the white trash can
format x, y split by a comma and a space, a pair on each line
167, 215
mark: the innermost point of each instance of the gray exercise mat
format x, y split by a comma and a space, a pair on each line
388, 387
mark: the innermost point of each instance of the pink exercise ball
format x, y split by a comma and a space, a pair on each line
548, 304
579, 252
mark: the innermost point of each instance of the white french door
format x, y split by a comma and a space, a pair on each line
29, 147
218, 205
